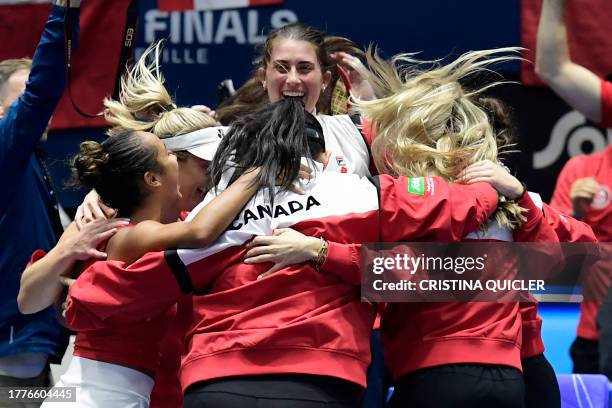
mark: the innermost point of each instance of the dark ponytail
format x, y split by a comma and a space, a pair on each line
272, 138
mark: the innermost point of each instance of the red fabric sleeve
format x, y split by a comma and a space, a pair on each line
568, 229
343, 260
428, 208
606, 104
111, 292
36, 256
536, 228
561, 196
532, 343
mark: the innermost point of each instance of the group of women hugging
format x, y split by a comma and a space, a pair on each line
232, 267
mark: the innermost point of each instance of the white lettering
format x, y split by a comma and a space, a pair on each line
202, 27
283, 17
255, 35
153, 24
230, 26
175, 27
202, 56
570, 129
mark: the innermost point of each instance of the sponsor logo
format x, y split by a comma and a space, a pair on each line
601, 199
416, 185
573, 131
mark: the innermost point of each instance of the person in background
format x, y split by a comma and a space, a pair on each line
584, 186
29, 219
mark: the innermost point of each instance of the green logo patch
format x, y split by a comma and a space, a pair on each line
416, 185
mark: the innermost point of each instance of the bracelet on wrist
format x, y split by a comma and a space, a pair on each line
321, 255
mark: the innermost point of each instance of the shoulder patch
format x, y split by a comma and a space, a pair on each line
416, 185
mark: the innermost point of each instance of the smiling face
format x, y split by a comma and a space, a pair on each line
293, 70
193, 176
167, 178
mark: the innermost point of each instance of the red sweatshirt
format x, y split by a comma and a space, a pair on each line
598, 216
296, 320
421, 335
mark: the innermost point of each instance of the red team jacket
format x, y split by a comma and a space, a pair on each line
566, 229
422, 335
297, 320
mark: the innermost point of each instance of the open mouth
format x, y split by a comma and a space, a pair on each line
293, 94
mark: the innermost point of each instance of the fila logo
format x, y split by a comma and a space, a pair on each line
571, 130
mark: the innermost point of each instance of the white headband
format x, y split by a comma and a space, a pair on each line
202, 143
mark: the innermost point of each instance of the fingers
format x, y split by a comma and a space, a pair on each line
296, 189
305, 170
205, 109
94, 253
478, 180
95, 210
261, 240
474, 174
103, 236
260, 250
261, 259
325, 158
78, 217
280, 231
588, 195
305, 173
108, 212
66, 281
102, 224
87, 215
347, 60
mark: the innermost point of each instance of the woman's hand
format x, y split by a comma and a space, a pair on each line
83, 244
205, 109
349, 64
285, 247
494, 174
92, 209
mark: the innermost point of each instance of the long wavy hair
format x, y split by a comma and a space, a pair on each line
428, 123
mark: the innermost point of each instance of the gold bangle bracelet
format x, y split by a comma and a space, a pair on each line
322, 254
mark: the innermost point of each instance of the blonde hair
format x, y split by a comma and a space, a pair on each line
145, 104
427, 123
9, 67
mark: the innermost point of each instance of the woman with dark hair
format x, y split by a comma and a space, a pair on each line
295, 61
297, 337
133, 172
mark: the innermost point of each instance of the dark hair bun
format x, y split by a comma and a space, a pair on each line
89, 162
